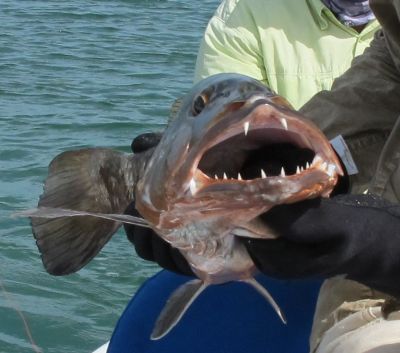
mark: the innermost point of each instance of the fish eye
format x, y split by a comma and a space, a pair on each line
199, 104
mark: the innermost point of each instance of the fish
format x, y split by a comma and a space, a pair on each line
233, 150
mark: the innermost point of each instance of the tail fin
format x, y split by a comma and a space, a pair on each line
96, 180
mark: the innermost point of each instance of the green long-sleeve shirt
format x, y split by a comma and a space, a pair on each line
296, 47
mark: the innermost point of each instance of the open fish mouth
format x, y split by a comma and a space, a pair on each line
233, 152
269, 144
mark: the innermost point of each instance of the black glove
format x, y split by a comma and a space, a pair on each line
145, 141
151, 247
356, 235
148, 244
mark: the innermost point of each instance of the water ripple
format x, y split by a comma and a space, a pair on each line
80, 74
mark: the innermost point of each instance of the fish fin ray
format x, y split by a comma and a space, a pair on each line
176, 306
46, 213
97, 179
66, 244
264, 292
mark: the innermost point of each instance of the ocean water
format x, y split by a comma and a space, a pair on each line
76, 74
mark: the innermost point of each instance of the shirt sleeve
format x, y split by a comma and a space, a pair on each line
365, 98
230, 44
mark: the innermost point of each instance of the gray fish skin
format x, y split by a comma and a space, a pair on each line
222, 123
200, 215
95, 180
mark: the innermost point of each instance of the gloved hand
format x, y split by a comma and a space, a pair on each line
145, 141
151, 247
148, 244
356, 235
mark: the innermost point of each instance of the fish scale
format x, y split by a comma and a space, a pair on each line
226, 122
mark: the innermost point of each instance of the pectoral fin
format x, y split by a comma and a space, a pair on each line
176, 307
95, 180
260, 289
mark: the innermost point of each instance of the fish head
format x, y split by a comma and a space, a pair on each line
235, 150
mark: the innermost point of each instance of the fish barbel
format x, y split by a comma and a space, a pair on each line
209, 180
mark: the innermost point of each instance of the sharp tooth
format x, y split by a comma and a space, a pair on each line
246, 126
317, 160
216, 176
283, 172
324, 166
298, 170
307, 165
365, 192
263, 175
331, 169
192, 186
284, 123
225, 177
239, 177
301, 169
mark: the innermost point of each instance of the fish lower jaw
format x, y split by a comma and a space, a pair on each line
200, 182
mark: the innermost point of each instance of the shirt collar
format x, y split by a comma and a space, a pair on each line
317, 9
321, 14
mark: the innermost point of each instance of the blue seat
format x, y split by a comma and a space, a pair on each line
228, 318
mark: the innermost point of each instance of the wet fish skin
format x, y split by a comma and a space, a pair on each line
96, 180
223, 122
201, 215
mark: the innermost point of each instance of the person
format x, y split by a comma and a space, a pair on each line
314, 62
352, 240
295, 47
363, 231
224, 318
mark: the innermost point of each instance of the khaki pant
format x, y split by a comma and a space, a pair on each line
363, 332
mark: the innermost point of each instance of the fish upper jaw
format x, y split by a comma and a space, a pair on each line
269, 124
202, 188
224, 161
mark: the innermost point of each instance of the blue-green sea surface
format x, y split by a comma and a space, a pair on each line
75, 74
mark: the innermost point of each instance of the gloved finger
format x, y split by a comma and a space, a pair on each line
297, 221
181, 262
282, 258
145, 141
140, 237
168, 257
143, 243
161, 252
150, 246
282, 216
